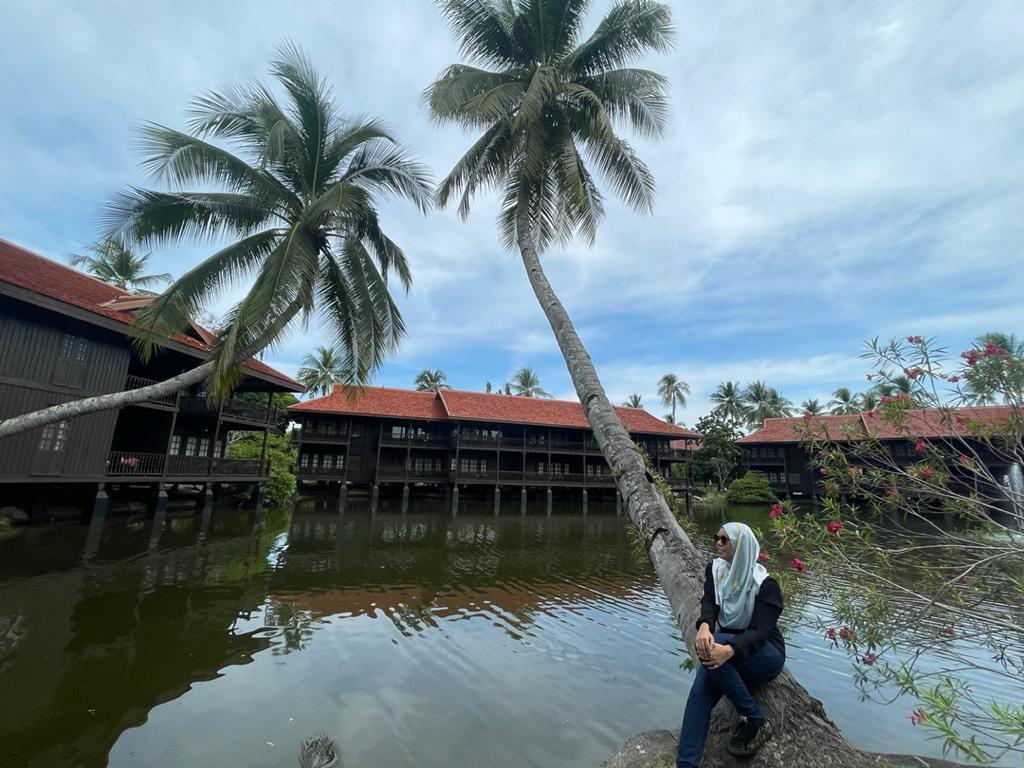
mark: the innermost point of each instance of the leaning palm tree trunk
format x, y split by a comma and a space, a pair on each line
803, 733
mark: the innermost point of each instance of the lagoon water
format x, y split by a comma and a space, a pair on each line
416, 639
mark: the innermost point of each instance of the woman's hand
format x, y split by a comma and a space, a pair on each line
718, 655
704, 641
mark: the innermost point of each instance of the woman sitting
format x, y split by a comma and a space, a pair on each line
744, 603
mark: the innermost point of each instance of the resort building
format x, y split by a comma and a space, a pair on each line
395, 437
776, 452
64, 336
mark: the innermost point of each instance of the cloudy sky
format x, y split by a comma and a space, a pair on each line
832, 172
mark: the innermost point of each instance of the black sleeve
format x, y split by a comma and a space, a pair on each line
767, 609
708, 606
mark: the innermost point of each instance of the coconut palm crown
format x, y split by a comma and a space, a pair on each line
673, 391
431, 381
321, 370
526, 383
114, 262
547, 103
292, 186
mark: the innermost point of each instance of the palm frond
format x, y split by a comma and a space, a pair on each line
483, 31
629, 30
635, 96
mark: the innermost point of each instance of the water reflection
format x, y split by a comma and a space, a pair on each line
413, 638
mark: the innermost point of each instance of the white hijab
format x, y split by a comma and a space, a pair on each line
737, 581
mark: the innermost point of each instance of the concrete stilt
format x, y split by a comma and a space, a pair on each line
374, 496
342, 498
455, 501
259, 497
522, 502
204, 522
99, 515
405, 498
497, 501
208, 499
549, 501
584, 501
158, 517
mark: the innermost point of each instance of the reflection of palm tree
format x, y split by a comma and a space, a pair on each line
526, 383
115, 263
729, 401
633, 401
843, 402
764, 402
673, 390
813, 407
431, 381
321, 371
318, 752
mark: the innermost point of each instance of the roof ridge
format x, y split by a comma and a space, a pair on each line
124, 292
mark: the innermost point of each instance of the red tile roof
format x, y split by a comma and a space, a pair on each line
28, 270
932, 422
376, 401
476, 406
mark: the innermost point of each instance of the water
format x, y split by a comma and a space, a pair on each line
412, 640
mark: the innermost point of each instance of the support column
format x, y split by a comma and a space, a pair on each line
374, 496
159, 516
549, 500
497, 500
522, 501
455, 501
584, 502
259, 497
208, 499
99, 515
405, 498
342, 497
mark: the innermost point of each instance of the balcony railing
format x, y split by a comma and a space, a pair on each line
139, 464
510, 476
478, 441
233, 409
137, 382
320, 471
415, 441
572, 446
415, 475
484, 475
307, 435
671, 453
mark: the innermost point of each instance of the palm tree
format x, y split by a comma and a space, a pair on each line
634, 401
431, 381
995, 378
764, 402
526, 383
812, 407
843, 402
868, 401
297, 201
115, 263
672, 390
321, 370
730, 402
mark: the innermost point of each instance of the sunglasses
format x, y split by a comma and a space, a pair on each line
723, 540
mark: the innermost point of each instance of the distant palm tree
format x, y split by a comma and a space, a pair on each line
844, 402
633, 401
488, 387
431, 381
115, 263
673, 390
730, 402
764, 402
898, 385
813, 407
980, 385
526, 383
868, 401
669, 418
321, 371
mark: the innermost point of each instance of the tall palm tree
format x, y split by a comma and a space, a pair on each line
115, 263
431, 381
526, 383
634, 401
844, 402
729, 400
321, 370
764, 402
868, 401
812, 407
673, 390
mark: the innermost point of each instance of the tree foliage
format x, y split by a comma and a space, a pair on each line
718, 458
431, 381
751, 488
526, 383
281, 453
321, 370
114, 262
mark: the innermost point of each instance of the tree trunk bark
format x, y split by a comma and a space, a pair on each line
802, 734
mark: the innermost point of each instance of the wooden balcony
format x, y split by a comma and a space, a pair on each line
310, 473
415, 441
305, 435
233, 410
478, 441
131, 465
167, 402
401, 474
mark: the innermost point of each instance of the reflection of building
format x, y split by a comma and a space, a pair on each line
65, 336
454, 438
775, 449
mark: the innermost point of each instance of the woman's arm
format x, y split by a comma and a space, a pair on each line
708, 606
767, 609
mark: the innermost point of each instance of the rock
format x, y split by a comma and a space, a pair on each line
651, 749
13, 515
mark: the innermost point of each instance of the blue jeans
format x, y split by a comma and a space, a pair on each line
734, 679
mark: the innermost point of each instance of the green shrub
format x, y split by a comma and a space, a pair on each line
752, 488
281, 485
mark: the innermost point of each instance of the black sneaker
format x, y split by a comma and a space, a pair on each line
744, 741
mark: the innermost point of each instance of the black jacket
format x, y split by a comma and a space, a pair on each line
763, 626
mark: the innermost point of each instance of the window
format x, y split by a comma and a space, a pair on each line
426, 464
175, 445
69, 368
397, 432
204, 447
54, 437
328, 462
191, 446
218, 448
304, 460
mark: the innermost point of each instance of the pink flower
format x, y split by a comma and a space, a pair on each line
917, 716
870, 376
914, 373
775, 511
834, 527
953, 379
925, 473
966, 460
991, 350
763, 557
971, 356
949, 632
808, 416
921, 446
798, 564
915, 339
847, 634
830, 633
823, 470
869, 658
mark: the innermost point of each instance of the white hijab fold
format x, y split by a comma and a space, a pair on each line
737, 581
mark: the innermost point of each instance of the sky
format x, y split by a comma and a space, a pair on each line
831, 172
